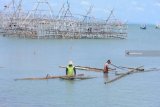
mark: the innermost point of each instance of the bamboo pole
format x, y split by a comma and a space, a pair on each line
78, 77
141, 70
40, 78
123, 75
48, 77
88, 68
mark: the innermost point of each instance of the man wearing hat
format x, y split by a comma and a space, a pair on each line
70, 69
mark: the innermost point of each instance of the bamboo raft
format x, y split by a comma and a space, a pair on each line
123, 75
40, 78
140, 71
79, 76
136, 70
82, 77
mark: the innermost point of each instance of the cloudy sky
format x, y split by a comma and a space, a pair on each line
132, 11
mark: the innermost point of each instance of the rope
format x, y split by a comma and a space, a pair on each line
119, 67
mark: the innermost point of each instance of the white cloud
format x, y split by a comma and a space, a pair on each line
157, 4
134, 3
99, 9
139, 8
85, 3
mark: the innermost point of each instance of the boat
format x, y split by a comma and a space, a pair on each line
157, 26
134, 53
143, 27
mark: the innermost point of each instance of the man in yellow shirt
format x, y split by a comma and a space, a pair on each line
70, 69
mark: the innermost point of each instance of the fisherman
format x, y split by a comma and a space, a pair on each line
70, 69
106, 66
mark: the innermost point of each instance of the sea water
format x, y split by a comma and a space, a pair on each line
21, 58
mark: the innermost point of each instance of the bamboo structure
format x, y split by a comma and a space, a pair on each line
123, 75
42, 24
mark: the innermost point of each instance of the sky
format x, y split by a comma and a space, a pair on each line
130, 11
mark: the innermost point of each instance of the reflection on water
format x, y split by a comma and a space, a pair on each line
105, 76
69, 84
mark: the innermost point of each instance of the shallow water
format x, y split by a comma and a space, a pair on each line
35, 58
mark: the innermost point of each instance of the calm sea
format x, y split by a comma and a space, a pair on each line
21, 58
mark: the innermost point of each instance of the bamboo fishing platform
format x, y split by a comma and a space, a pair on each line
41, 23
